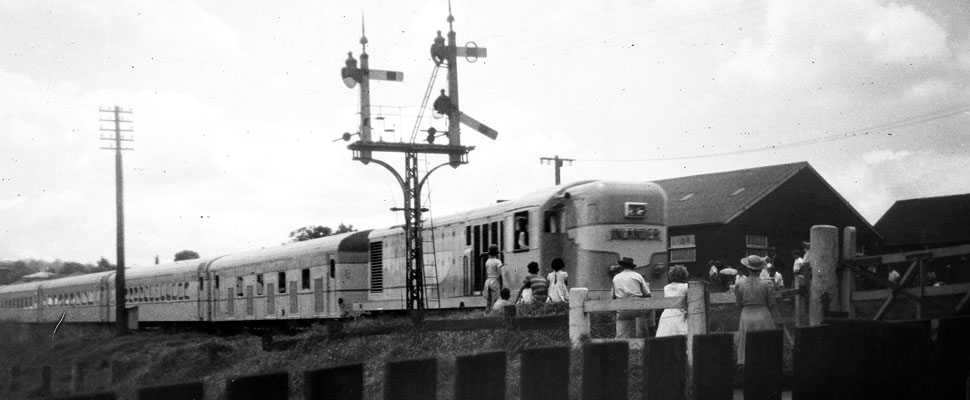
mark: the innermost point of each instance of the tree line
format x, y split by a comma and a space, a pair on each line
13, 271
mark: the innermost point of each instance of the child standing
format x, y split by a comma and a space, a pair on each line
558, 282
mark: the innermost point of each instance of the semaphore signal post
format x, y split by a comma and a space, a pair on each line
442, 54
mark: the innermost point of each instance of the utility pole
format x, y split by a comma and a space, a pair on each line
115, 113
557, 162
412, 183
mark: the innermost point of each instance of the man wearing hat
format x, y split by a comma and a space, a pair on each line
627, 284
755, 301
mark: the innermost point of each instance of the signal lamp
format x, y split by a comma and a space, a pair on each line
431, 134
350, 73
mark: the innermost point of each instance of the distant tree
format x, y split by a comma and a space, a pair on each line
70, 268
186, 255
310, 232
104, 265
344, 228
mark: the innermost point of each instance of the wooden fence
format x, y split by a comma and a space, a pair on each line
853, 269
842, 359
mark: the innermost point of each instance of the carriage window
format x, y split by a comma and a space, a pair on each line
217, 281
552, 224
521, 231
333, 268
239, 286
187, 293
468, 235
259, 285
281, 282
306, 279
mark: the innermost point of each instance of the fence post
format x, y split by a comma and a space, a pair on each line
849, 244
799, 300
812, 361
954, 357
77, 377
336, 383
548, 366
45, 380
665, 368
187, 391
259, 387
411, 379
605, 369
14, 378
697, 303
713, 366
697, 299
481, 376
578, 320
763, 364
823, 257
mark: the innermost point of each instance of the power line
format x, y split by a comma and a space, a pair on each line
872, 130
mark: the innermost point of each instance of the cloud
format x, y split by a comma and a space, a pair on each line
881, 156
839, 48
879, 178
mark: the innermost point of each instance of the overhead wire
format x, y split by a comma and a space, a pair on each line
875, 129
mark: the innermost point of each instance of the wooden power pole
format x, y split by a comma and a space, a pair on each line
115, 114
556, 162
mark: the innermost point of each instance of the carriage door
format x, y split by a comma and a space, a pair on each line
105, 304
39, 304
332, 292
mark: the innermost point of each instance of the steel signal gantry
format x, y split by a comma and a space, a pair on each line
411, 183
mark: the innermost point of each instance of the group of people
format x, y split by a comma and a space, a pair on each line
753, 297
553, 288
628, 283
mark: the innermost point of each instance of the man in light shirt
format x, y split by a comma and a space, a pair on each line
630, 284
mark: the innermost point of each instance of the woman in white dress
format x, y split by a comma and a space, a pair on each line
673, 321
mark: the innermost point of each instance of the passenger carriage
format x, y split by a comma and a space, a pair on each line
170, 292
19, 302
309, 279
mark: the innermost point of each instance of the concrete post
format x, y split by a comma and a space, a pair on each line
824, 258
77, 377
45, 380
578, 320
848, 274
697, 299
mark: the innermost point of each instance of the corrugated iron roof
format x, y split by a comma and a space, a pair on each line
719, 197
927, 221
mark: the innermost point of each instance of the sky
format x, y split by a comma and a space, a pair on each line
236, 106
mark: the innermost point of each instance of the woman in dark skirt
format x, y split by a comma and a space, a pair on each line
755, 301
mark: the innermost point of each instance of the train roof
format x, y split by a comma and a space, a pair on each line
19, 287
345, 242
172, 268
543, 196
76, 280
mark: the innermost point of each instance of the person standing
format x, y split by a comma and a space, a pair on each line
673, 321
558, 282
756, 302
629, 284
493, 278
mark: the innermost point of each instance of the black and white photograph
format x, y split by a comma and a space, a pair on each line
738, 199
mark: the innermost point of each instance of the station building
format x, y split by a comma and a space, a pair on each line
765, 211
